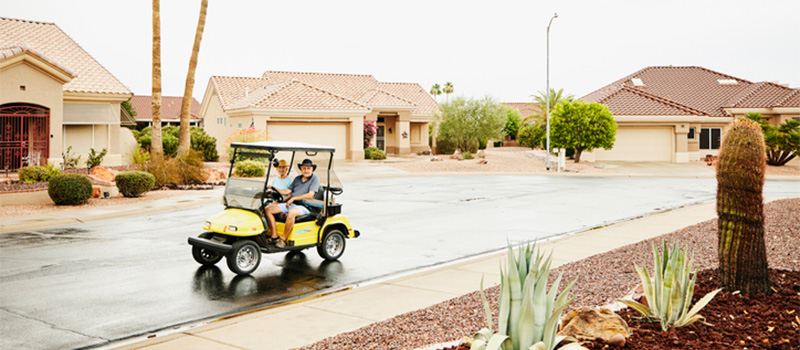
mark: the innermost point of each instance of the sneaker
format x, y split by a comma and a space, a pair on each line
281, 243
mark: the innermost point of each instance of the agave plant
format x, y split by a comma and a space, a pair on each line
670, 292
528, 312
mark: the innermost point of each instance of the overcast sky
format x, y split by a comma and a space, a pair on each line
495, 48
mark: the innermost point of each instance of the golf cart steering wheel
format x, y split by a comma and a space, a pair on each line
275, 195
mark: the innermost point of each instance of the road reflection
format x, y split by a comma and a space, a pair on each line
296, 276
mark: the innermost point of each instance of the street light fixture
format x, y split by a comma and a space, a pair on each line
547, 89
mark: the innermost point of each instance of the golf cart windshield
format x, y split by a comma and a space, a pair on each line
248, 192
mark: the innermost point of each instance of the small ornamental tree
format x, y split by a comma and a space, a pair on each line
513, 121
740, 207
464, 122
582, 126
369, 132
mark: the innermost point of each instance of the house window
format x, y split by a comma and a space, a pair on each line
239, 125
710, 138
691, 134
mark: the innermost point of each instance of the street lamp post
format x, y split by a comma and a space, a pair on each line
547, 89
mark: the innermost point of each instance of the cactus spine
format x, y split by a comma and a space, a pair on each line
740, 208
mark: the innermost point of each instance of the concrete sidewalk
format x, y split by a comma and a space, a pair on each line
313, 319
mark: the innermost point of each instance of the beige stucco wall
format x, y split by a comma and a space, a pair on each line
40, 89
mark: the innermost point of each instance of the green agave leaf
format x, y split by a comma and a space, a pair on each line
551, 327
500, 342
702, 302
478, 345
527, 322
504, 307
640, 308
487, 310
516, 299
484, 334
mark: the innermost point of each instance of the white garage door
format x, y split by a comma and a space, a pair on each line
639, 144
327, 134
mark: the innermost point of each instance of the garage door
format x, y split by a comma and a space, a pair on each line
326, 134
640, 144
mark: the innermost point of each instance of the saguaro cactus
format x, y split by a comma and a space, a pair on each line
740, 208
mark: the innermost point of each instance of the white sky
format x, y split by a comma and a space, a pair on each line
495, 48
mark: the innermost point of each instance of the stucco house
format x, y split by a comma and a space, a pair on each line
321, 108
53, 95
677, 114
170, 111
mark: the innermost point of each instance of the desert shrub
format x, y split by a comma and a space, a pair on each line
530, 135
205, 144
69, 159
377, 154
482, 143
244, 135
163, 168
37, 173
190, 167
138, 156
248, 168
95, 158
134, 183
467, 155
69, 189
445, 147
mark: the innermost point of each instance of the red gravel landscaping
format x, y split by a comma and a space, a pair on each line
604, 277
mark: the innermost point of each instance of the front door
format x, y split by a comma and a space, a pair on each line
24, 131
380, 138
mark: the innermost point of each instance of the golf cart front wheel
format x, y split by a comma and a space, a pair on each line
244, 257
204, 256
332, 245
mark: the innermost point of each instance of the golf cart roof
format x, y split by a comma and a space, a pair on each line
282, 146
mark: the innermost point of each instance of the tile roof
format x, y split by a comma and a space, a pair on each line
15, 50
170, 108
526, 109
351, 91
687, 90
50, 41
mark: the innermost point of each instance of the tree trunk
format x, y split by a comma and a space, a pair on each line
578, 155
740, 208
156, 147
184, 141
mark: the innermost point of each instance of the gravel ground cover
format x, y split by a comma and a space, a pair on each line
600, 280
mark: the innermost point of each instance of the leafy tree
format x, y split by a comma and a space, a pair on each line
555, 98
582, 126
530, 135
184, 137
782, 143
464, 122
436, 90
513, 121
447, 90
126, 105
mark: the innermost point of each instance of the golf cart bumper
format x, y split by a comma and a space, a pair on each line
205, 243
357, 234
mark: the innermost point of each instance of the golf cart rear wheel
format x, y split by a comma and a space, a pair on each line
244, 257
332, 245
204, 256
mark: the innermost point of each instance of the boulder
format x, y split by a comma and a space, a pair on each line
102, 173
483, 161
481, 154
95, 191
436, 159
214, 175
456, 154
589, 323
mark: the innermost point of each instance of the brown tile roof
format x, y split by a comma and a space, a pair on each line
351, 91
50, 41
15, 50
295, 94
526, 109
170, 108
686, 90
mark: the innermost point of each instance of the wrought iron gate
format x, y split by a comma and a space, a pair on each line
24, 135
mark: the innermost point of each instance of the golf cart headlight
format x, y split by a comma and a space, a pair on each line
232, 228
207, 225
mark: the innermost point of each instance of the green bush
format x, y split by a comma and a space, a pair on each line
482, 143
448, 147
467, 155
248, 168
95, 158
204, 144
69, 189
374, 153
37, 173
530, 136
134, 183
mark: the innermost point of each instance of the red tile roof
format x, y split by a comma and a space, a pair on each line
49, 40
526, 109
687, 90
170, 108
15, 50
341, 91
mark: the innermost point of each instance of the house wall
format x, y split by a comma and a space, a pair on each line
419, 137
40, 89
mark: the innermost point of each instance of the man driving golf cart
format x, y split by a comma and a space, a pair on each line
302, 188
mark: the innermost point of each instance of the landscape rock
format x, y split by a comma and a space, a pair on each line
481, 154
456, 154
483, 161
95, 191
436, 159
214, 175
102, 173
589, 323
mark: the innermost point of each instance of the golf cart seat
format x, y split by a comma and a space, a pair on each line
315, 211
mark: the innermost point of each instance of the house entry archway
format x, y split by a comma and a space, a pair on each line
24, 135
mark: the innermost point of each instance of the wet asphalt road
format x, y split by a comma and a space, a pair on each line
88, 284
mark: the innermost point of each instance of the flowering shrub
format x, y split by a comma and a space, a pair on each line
244, 135
370, 128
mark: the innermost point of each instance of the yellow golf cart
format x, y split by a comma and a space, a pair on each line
240, 233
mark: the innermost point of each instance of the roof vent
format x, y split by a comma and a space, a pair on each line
727, 82
637, 82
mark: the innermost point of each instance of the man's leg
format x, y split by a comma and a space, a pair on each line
271, 210
290, 217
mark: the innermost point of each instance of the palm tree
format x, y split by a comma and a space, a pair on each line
156, 147
541, 99
447, 89
184, 141
436, 90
